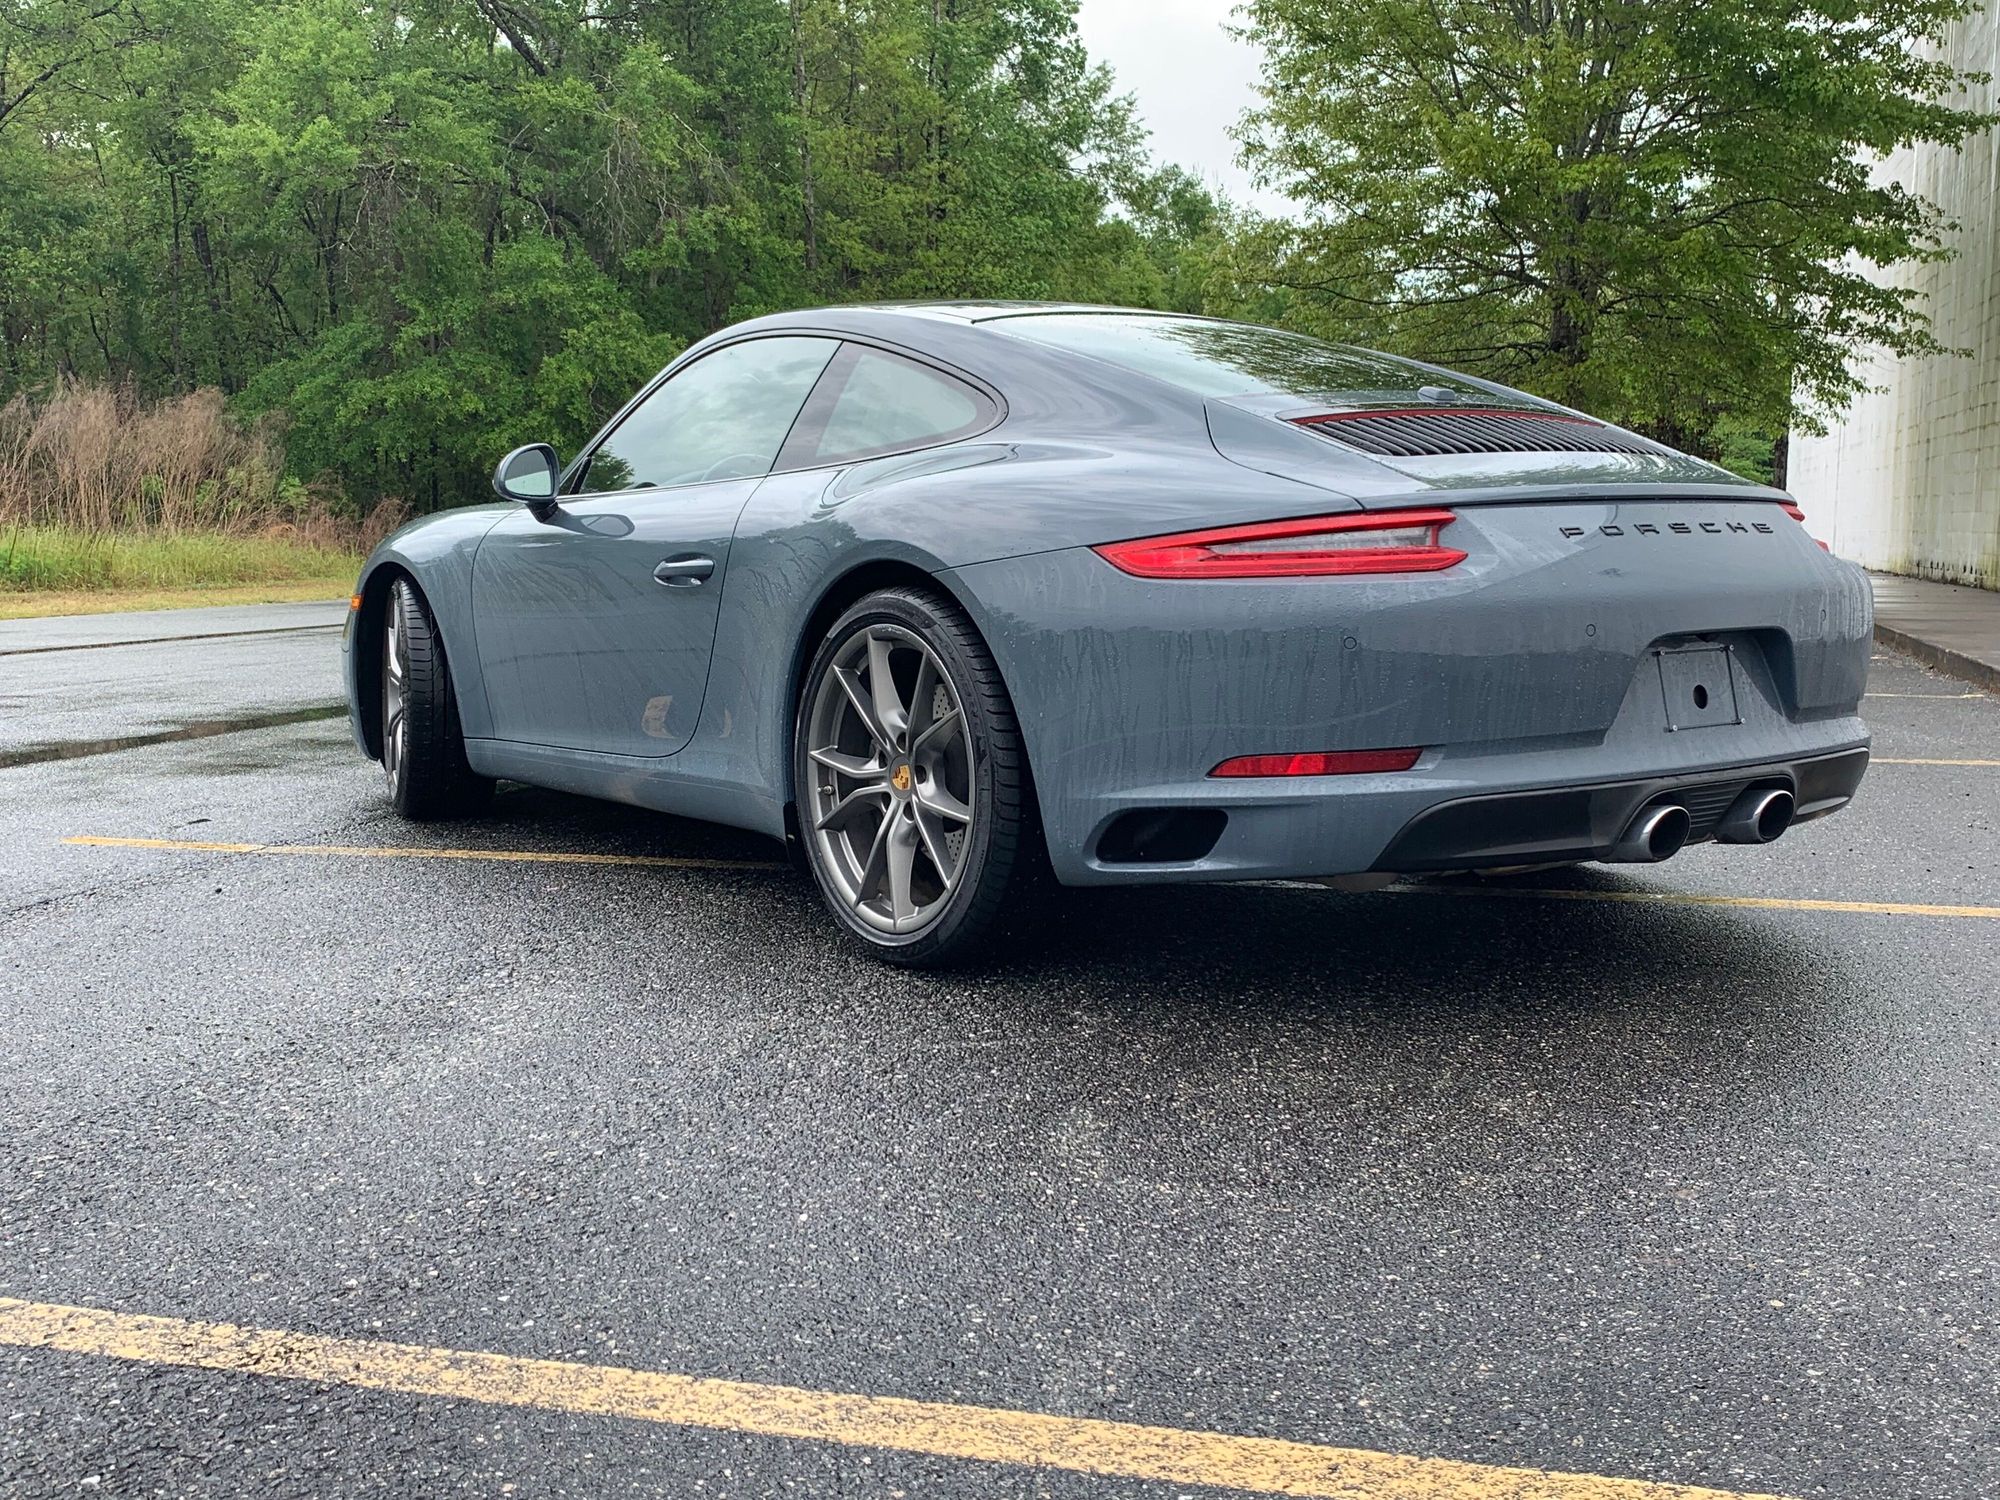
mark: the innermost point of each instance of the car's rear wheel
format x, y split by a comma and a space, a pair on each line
423, 748
915, 806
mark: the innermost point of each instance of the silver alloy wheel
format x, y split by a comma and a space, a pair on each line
890, 796
395, 688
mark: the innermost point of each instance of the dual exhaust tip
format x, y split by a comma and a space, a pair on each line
1659, 832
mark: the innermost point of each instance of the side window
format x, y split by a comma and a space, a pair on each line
723, 417
887, 403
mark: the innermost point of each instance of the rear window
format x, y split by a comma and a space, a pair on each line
1230, 359
887, 404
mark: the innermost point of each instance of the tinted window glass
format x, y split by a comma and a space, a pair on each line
1229, 359
888, 403
723, 417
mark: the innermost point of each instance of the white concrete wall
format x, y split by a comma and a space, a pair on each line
1908, 480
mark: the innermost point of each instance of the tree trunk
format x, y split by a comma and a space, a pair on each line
205, 253
179, 352
806, 202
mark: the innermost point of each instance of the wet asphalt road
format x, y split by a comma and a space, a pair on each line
1689, 1193
97, 679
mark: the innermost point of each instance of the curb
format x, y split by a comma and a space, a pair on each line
1982, 674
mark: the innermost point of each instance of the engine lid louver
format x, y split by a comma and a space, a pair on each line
1408, 434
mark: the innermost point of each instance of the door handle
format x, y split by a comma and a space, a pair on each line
684, 572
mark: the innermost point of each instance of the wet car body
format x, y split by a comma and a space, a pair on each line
1546, 682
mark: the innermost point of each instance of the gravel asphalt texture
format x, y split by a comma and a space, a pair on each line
1689, 1193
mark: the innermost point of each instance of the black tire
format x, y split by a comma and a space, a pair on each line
1001, 859
423, 748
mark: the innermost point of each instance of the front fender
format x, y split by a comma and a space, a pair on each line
436, 554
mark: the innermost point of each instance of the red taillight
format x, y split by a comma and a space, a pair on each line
1319, 763
1400, 541
1800, 516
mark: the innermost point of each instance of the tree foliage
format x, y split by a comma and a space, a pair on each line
1662, 210
428, 229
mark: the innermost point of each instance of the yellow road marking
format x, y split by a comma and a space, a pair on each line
1687, 898
511, 856
1123, 1450
1890, 760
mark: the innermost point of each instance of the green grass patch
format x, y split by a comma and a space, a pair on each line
37, 559
43, 603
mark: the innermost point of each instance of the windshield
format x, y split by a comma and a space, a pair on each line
1232, 359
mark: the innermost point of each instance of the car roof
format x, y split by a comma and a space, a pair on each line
970, 310
942, 328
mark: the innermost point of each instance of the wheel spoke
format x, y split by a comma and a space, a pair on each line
935, 798
863, 709
871, 867
398, 665
848, 765
890, 712
922, 696
902, 858
860, 796
934, 847
931, 730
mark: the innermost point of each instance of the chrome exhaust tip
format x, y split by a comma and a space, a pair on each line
1656, 834
1757, 817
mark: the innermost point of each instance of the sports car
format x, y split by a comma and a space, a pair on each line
961, 598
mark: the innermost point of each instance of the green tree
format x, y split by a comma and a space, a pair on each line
1662, 210
424, 229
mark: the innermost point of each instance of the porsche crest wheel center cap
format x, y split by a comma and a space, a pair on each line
902, 779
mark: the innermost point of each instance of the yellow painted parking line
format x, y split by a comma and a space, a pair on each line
1689, 898
1891, 760
405, 851
1121, 1450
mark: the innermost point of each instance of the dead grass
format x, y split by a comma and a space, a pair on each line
101, 490
99, 460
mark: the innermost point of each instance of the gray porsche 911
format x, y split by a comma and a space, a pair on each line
959, 595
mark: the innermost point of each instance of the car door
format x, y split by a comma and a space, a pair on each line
595, 620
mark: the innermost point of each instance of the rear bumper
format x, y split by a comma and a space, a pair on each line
1445, 814
1583, 822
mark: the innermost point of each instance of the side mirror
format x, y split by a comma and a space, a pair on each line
528, 476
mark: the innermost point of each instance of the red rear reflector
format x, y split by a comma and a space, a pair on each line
1398, 541
1319, 763
1800, 516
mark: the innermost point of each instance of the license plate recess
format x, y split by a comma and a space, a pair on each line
1698, 686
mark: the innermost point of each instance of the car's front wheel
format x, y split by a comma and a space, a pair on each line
423, 748
915, 805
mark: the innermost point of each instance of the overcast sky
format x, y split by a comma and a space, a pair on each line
1191, 78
